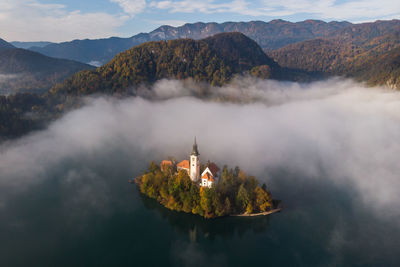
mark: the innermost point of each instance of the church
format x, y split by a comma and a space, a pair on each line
206, 177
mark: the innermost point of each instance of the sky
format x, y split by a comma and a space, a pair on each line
66, 20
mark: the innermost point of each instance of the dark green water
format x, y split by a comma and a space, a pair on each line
84, 213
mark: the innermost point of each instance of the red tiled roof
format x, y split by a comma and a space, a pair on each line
213, 168
208, 177
184, 164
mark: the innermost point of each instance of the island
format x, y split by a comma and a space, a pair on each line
204, 189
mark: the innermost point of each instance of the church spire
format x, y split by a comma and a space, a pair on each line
195, 151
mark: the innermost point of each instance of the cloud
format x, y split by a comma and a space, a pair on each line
328, 9
208, 7
30, 20
360, 10
7, 77
95, 63
131, 7
335, 130
174, 23
6, 80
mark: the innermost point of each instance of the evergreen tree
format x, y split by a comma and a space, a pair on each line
242, 198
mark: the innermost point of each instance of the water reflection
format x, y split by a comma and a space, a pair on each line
197, 227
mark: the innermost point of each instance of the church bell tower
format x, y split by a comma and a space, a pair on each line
194, 163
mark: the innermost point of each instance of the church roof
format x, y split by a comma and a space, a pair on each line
195, 151
208, 176
213, 168
184, 164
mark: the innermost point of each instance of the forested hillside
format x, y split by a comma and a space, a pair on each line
21, 113
212, 60
367, 52
26, 71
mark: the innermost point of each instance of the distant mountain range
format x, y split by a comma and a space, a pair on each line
27, 71
27, 45
269, 35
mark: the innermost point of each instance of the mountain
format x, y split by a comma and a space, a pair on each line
213, 60
4, 45
24, 70
269, 35
27, 45
94, 52
334, 48
354, 52
382, 69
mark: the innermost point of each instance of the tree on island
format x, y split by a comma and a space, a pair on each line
235, 192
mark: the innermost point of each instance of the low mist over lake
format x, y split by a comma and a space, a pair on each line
329, 150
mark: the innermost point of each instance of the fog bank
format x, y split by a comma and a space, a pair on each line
336, 130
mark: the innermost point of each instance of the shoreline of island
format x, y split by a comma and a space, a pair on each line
276, 204
265, 213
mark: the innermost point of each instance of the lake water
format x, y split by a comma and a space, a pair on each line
84, 213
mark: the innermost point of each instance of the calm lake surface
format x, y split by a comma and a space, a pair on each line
83, 212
